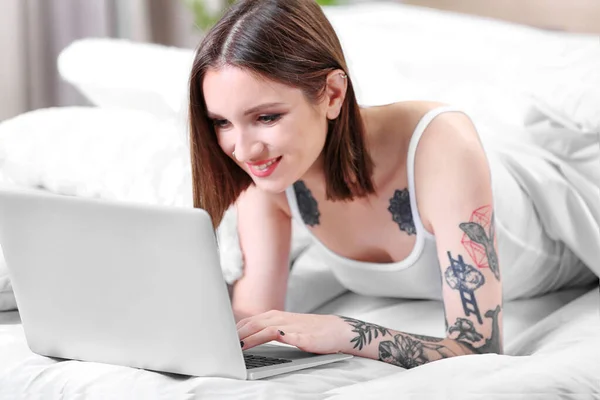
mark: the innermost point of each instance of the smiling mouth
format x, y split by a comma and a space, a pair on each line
265, 169
265, 166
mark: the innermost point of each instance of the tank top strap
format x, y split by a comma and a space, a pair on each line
410, 160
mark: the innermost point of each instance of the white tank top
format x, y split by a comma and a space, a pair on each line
418, 275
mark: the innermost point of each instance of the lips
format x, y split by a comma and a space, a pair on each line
264, 168
262, 163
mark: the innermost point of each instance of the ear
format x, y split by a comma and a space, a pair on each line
335, 92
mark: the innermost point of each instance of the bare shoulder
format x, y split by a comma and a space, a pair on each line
411, 112
448, 135
448, 131
449, 159
389, 122
254, 200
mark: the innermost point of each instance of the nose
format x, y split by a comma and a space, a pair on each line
248, 148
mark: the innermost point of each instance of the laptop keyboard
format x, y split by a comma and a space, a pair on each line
254, 361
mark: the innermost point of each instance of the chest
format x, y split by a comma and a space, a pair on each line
380, 228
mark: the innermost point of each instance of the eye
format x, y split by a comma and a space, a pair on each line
269, 118
220, 123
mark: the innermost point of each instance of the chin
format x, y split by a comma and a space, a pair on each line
272, 186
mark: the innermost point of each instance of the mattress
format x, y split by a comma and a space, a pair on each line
545, 333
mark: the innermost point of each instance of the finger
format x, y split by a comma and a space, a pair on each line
271, 316
256, 325
263, 336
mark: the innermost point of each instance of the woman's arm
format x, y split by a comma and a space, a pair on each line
410, 350
455, 198
327, 334
456, 202
264, 232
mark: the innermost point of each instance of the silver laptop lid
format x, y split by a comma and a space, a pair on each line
120, 283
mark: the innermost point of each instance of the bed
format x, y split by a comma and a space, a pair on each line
525, 87
551, 346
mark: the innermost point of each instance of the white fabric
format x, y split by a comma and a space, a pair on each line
117, 73
7, 298
383, 43
93, 152
484, 66
567, 88
561, 347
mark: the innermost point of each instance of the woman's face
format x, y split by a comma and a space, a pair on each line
275, 132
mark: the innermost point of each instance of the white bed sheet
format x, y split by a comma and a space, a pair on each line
482, 73
23, 373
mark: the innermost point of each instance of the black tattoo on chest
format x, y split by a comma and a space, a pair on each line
401, 211
309, 209
366, 332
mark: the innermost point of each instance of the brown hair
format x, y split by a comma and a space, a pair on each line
287, 41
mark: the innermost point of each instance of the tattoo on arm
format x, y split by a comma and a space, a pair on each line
426, 338
309, 209
408, 351
466, 330
466, 279
366, 332
479, 242
401, 211
467, 333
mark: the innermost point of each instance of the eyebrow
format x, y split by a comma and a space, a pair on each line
250, 110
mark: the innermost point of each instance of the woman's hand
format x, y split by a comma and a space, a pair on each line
321, 334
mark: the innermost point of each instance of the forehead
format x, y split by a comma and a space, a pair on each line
230, 88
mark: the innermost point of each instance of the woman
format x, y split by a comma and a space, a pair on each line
400, 195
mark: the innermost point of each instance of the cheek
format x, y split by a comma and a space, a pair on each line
226, 143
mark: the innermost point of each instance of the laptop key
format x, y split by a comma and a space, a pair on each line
255, 361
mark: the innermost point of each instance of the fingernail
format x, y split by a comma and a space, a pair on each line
281, 333
242, 343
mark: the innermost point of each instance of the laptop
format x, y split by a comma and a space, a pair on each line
129, 284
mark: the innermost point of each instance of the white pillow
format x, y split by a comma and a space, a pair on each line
567, 89
92, 152
117, 73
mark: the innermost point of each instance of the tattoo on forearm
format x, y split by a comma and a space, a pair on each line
426, 338
309, 209
467, 333
466, 330
366, 332
408, 352
466, 279
401, 211
493, 344
478, 242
